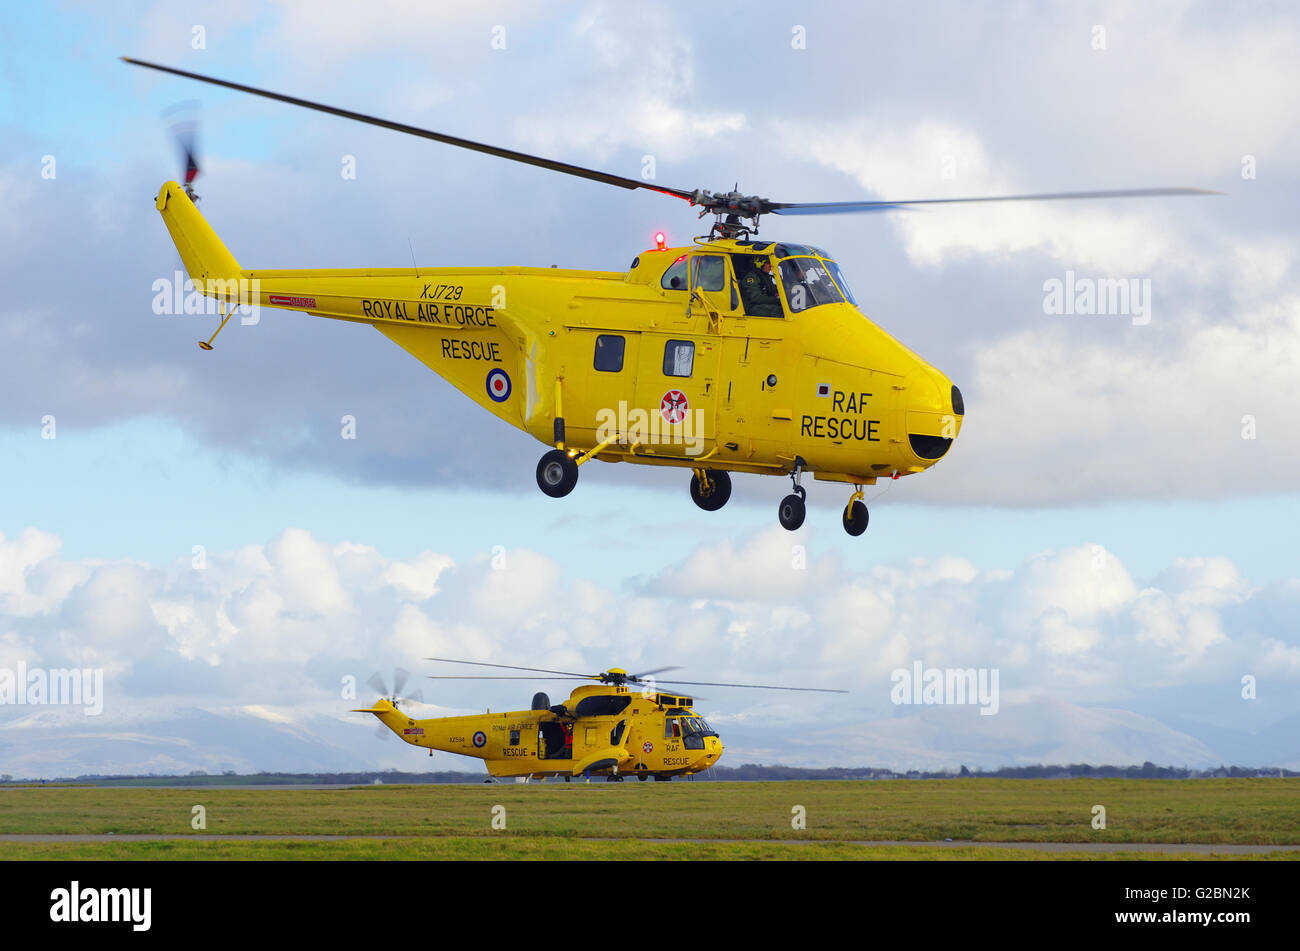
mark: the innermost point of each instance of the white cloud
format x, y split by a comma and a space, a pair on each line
419, 577
1193, 413
275, 628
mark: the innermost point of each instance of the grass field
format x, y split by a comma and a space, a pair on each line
740, 820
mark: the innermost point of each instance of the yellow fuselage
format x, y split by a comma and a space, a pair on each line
650, 735
637, 370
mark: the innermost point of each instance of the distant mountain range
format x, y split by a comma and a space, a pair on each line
52, 742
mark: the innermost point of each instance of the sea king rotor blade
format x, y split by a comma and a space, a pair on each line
537, 670
696, 683
454, 677
637, 678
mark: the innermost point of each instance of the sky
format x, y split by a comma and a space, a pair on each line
1111, 533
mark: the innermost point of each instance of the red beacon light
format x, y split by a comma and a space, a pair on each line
660, 240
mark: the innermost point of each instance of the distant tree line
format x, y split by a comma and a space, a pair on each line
752, 771
749, 772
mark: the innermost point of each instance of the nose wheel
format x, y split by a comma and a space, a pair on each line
710, 488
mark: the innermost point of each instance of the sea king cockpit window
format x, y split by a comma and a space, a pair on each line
808, 283
691, 730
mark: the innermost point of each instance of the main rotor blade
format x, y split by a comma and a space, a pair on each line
848, 207
554, 166
539, 670
697, 683
432, 677
647, 673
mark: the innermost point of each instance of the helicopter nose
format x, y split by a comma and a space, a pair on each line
712, 752
934, 415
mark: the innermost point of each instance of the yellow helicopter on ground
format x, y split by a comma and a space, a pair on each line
728, 355
621, 724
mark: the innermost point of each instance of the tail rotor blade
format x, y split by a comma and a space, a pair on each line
182, 120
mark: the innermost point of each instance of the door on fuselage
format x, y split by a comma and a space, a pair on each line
758, 391
554, 740
677, 379
599, 383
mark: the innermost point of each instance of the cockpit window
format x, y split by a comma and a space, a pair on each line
678, 727
790, 250
841, 282
674, 278
807, 282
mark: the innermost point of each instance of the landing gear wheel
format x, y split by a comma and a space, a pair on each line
717, 492
641, 776
855, 518
557, 473
791, 512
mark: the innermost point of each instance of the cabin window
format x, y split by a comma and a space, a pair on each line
609, 353
710, 272
679, 358
514, 737
672, 729
674, 278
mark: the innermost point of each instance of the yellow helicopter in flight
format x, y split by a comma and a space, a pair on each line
731, 354
617, 725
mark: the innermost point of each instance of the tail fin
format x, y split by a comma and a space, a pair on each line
395, 720
206, 258
378, 708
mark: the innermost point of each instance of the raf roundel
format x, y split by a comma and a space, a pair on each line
648, 747
480, 739
498, 385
